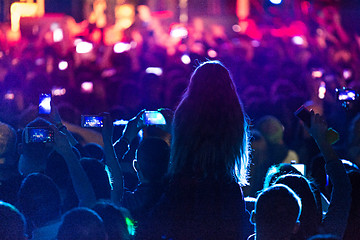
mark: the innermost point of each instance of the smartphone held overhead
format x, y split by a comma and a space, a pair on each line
92, 121
153, 118
45, 103
39, 135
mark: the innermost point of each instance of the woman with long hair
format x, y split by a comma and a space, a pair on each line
208, 165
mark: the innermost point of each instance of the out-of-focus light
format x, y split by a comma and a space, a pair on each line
236, 28
317, 73
39, 62
347, 73
58, 91
276, 2
155, 70
58, 35
63, 65
130, 226
121, 47
77, 41
185, 59
14, 61
255, 43
133, 44
84, 47
1, 54
212, 53
87, 87
297, 40
347, 95
9, 96
322, 90
179, 32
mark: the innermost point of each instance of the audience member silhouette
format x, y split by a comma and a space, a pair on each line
40, 202
277, 213
209, 156
81, 224
12, 223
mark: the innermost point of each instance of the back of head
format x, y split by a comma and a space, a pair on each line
12, 225
352, 229
7, 143
39, 199
210, 134
308, 218
114, 221
277, 211
81, 224
275, 171
153, 158
95, 170
33, 156
271, 128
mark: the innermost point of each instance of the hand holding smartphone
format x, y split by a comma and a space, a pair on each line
152, 118
39, 135
304, 115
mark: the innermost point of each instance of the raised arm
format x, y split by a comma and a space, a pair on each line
129, 134
117, 185
80, 180
335, 219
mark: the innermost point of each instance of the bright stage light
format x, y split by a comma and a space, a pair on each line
84, 47
87, 87
276, 2
121, 47
63, 65
185, 59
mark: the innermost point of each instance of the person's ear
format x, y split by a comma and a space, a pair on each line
20, 148
296, 227
252, 217
135, 165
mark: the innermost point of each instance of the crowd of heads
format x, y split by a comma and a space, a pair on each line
216, 138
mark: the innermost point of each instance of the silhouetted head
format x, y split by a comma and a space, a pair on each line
152, 158
81, 224
114, 221
96, 172
34, 154
7, 145
39, 200
277, 213
210, 130
309, 217
12, 225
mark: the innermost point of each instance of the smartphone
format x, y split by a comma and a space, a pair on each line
346, 94
300, 167
153, 118
39, 135
92, 121
304, 115
45, 103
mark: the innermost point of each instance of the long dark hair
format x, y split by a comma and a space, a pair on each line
210, 129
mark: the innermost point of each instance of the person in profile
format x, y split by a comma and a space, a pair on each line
208, 163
